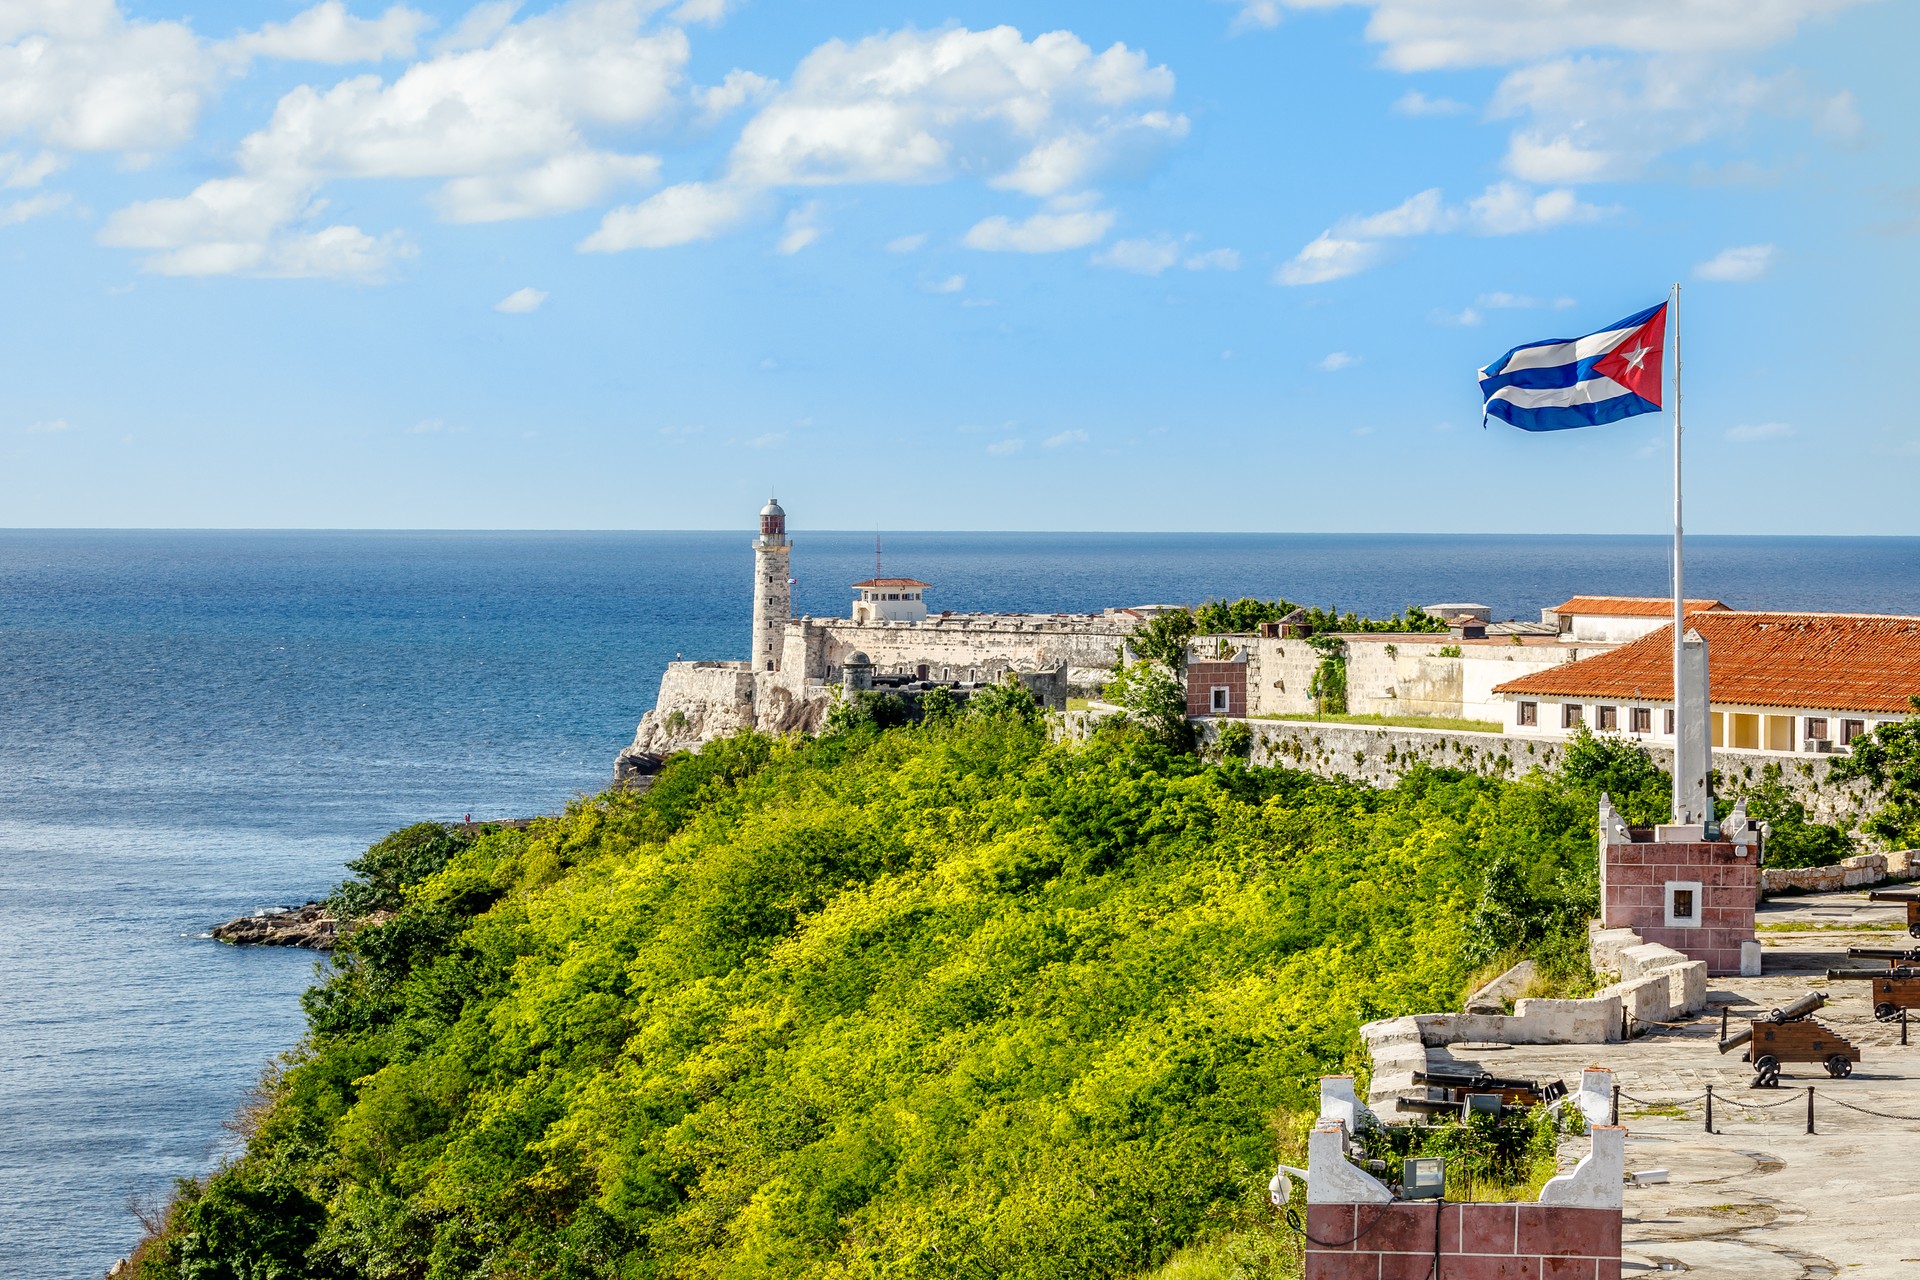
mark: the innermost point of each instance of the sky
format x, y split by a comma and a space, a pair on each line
992, 264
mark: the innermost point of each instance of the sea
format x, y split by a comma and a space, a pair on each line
196, 725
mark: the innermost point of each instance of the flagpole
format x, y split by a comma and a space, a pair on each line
1679, 587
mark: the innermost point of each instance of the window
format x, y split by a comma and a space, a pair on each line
1527, 714
1219, 699
1640, 719
1570, 717
1851, 729
1609, 717
1683, 904
1816, 727
1667, 719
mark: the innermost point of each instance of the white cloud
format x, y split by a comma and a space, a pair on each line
1417, 215
480, 25
1415, 103
1255, 15
1041, 233
1739, 265
32, 207
1152, 255
1145, 257
907, 244
1066, 438
1213, 260
1750, 433
736, 90
1505, 208
1593, 119
1507, 301
1326, 258
768, 440
952, 284
1335, 361
802, 228
919, 106
17, 171
1001, 448
79, 75
328, 33
561, 185
1423, 35
503, 121
521, 301
1465, 318
679, 215
48, 427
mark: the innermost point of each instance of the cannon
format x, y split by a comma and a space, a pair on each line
1913, 906
1895, 958
1790, 1034
1894, 989
1463, 1086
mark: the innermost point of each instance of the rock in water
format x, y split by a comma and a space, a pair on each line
310, 926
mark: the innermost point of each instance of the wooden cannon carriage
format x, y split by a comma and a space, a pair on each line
1462, 1088
1913, 906
1792, 1035
1895, 988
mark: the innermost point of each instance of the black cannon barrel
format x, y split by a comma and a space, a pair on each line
1856, 975
1800, 1008
1892, 895
1473, 1080
1911, 955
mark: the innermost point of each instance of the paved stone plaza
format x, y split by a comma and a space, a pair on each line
1760, 1198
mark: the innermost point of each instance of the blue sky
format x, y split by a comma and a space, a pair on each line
1199, 264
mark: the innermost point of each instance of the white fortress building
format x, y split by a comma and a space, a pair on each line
796, 667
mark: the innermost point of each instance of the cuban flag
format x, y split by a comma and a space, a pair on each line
1580, 382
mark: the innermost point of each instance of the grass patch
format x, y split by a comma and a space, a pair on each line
1664, 1110
1076, 704
1399, 722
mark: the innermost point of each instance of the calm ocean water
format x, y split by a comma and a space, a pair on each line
194, 725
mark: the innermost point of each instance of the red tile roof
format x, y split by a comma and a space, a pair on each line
893, 582
1630, 606
1819, 661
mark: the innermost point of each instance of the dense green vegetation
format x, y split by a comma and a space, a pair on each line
1221, 617
945, 999
1889, 758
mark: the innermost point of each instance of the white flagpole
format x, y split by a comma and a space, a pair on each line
1679, 587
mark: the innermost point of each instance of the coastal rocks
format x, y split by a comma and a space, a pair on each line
310, 926
700, 702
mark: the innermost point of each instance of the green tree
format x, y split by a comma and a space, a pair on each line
1154, 699
1328, 687
1622, 769
1889, 758
1164, 639
1794, 839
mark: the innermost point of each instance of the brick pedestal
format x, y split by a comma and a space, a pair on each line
1475, 1241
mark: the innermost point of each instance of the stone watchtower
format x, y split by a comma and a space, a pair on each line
772, 588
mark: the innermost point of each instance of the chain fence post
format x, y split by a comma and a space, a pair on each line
1809, 1108
1615, 1117
1709, 1108
1903, 1026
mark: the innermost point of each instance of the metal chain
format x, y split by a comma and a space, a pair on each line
1795, 1096
1868, 1111
1662, 1102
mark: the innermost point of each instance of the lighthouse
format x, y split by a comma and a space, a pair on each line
772, 587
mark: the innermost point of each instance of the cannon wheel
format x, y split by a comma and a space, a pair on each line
1913, 931
1839, 1067
1885, 1011
1766, 1072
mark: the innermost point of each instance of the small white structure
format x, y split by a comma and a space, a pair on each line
1615, 619
890, 600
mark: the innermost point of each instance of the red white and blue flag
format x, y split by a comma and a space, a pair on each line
1580, 382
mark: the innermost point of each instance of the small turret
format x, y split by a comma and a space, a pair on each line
773, 524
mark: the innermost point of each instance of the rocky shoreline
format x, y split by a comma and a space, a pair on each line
311, 926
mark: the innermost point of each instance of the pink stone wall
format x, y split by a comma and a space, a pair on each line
1477, 1242
1202, 677
1636, 877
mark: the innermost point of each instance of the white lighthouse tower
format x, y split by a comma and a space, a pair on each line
772, 587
